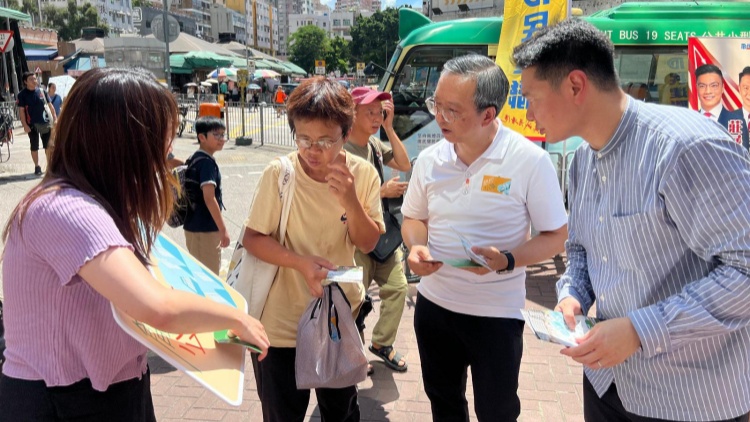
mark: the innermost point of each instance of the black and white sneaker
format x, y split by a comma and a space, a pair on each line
38, 170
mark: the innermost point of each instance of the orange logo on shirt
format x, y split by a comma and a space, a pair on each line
496, 184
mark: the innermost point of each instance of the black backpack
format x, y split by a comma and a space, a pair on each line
182, 198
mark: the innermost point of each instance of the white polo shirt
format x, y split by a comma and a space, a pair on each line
492, 202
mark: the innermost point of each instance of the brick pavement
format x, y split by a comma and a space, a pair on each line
549, 386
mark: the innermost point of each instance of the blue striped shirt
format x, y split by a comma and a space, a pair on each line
660, 233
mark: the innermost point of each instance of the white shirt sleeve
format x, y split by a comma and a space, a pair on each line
415, 200
544, 198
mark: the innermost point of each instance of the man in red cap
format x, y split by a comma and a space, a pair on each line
375, 109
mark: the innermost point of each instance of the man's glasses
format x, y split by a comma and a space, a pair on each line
218, 135
713, 86
449, 116
323, 144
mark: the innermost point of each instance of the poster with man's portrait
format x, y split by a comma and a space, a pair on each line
718, 69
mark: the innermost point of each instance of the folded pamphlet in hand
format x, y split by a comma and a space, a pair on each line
550, 326
474, 257
345, 275
224, 336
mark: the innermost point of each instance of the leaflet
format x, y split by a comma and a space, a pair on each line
345, 275
224, 337
550, 326
473, 256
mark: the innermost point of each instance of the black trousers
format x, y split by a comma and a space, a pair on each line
33, 401
449, 343
609, 408
34, 139
283, 402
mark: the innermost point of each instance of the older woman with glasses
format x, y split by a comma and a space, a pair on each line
335, 209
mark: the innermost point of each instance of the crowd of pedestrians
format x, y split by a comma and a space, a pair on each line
657, 236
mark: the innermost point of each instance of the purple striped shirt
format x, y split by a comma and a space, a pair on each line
57, 328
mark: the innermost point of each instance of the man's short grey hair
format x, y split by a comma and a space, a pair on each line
492, 84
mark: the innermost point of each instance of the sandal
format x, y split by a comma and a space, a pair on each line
390, 357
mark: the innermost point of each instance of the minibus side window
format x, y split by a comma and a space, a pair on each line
416, 81
654, 74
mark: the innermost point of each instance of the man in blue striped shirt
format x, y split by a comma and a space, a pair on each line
659, 238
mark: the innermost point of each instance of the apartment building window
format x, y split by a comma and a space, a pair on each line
347, 22
336, 22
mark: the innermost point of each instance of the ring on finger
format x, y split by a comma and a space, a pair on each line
599, 363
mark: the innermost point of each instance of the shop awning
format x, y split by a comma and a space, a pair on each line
268, 64
177, 64
40, 54
205, 60
14, 14
79, 65
294, 69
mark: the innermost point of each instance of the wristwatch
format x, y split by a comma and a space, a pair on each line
511, 263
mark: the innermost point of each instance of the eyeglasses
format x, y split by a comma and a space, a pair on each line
448, 115
323, 144
218, 135
713, 86
374, 113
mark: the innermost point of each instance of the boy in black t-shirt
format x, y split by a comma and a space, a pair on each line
31, 111
205, 231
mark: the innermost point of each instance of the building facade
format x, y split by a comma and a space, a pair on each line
342, 22
117, 14
133, 51
296, 21
363, 5
263, 26
228, 21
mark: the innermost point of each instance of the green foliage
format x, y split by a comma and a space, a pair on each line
70, 21
306, 45
26, 6
374, 39
338, 56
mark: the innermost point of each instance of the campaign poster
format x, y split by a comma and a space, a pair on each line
521, 18
719, 82
218, 367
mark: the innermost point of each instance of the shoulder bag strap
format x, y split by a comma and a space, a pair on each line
379, 168
286, 193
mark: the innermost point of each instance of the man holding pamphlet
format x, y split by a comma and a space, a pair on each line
481, 187
659, 238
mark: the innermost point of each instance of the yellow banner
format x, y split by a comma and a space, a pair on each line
521, 19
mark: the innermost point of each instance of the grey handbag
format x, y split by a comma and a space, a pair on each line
329, 350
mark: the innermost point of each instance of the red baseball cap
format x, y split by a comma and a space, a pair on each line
365, 95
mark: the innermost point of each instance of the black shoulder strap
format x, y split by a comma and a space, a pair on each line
376, 162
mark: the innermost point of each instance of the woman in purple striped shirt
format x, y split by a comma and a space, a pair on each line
80, 240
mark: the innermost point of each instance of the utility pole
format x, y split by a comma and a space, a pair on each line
167, 65
14, 76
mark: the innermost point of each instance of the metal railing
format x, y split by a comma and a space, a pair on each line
264, 123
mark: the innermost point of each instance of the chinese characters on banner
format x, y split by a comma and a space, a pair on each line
521, 19
218, 367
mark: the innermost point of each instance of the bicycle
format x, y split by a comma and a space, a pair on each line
6, 135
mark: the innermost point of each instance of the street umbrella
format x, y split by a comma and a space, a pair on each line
207, 84
265, 73
253, 86
191, 84
212, 81
223, 72
62, 84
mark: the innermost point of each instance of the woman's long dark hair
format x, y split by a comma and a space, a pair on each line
111, 142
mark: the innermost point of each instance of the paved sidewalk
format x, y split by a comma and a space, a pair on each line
550, 385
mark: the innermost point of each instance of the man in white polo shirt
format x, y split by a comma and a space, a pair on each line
488, 184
